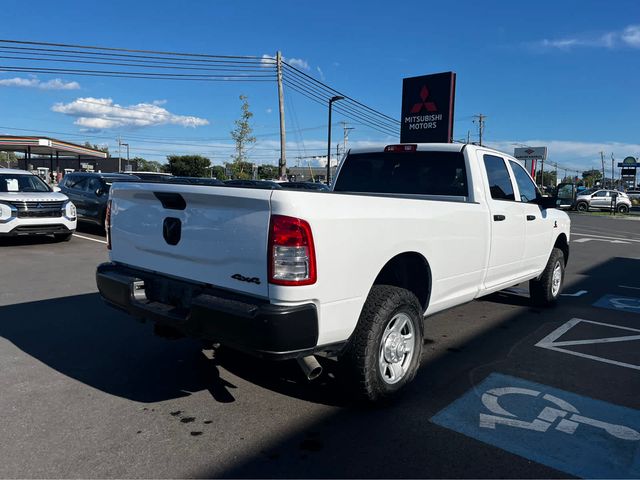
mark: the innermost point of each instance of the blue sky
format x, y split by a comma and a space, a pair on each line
561, 74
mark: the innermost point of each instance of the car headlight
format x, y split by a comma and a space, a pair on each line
69, 210
7, 212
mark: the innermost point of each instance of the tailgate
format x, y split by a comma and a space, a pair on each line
219, 232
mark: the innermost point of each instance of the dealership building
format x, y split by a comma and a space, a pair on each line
50, 156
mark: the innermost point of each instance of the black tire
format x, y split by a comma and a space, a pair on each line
623, 209
62, 237
582, 207
541, 290
360, 362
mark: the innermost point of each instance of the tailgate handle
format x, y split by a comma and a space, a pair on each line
499, 218
171, 201
531, 217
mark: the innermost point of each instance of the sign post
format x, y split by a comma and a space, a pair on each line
427, 108
530, 157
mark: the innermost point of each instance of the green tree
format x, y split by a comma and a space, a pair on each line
549, 178
591, 177
188, 165
7, 159
218, 172
241, 170
242, 134
104, 148
267, 172
148, 165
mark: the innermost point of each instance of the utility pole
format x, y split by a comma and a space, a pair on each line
468, 136
602, 160
119, 161
481, 119
345, 133
282, 164
612, 174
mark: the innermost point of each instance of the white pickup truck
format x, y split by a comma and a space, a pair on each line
407, 231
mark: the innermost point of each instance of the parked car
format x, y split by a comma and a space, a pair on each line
150, 176
90, 192
264, 184
634, 196
408, 231
196, 181
320, 187
28, 206
603, 200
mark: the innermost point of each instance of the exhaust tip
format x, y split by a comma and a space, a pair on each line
310, 367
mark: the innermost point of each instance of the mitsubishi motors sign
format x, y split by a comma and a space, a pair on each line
530, 157
427, 108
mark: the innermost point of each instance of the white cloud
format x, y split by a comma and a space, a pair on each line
320, 72
55, 84
628, 37
270, 61
631, 36
268, 110
103, 113
299, 63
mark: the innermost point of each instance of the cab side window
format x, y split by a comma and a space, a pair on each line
76, 183
94, 184
500, 184
528, 190
601, 193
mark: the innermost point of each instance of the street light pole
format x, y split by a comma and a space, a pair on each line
331, 100
127, 145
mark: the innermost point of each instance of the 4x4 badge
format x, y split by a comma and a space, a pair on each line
242, 278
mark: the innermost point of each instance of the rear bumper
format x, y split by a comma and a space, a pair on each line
239, 321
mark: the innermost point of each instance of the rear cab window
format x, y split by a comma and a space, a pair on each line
408, 173
500, 184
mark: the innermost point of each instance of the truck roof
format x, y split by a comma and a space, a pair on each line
441, 147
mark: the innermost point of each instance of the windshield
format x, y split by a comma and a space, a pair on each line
21, 183
414, 173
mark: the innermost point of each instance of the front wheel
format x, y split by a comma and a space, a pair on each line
545, 290
582, 206
384, 351
623, 209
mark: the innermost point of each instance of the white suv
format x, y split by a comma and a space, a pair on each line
29, 207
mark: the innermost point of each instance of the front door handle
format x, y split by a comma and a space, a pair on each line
499, 218
531, 217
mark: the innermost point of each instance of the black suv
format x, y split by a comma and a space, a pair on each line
90, 191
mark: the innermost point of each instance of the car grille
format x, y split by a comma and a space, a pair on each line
39, 209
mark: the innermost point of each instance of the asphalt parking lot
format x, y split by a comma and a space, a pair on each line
505, 390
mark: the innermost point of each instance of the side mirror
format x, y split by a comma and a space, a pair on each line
547, 202
99, 192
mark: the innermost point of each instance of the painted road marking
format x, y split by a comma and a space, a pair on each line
583, 240
579, 293
604, 237
551, 341
574, 434
617, 302
629, 286
89, 238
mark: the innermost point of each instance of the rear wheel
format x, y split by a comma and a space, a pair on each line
384, 351
545, 290
623, 209
582, 206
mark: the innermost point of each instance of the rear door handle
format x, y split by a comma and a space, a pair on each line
499, 218
531, 217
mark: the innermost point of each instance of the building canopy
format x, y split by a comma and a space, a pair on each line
47, 146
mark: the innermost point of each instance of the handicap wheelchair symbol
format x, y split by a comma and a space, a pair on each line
624, 303
569, 417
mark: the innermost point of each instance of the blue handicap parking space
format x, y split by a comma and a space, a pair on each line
574, 434
617, 302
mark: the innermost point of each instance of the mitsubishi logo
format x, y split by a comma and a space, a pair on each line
39, 205
430, 106
529, 151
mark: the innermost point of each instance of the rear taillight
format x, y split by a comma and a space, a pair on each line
107, 224
292, 257
412, 147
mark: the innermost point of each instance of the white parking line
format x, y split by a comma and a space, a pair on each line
605, 237
629, 286
89, 238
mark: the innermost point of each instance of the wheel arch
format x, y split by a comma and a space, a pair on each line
562, 243
411, 271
